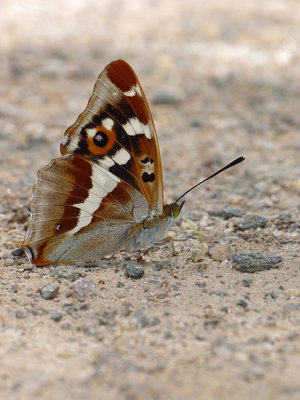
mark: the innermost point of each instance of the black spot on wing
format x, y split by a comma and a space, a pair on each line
100, 139
146, 160
148, 177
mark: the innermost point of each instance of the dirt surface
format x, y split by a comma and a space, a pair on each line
222, 79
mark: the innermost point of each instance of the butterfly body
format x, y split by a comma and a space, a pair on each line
105, 193
153, 230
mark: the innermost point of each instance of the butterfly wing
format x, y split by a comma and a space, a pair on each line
116, 129
80, 211
86, 203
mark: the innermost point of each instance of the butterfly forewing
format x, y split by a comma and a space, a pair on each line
117, 131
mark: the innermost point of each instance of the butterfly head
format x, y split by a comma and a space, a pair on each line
176, 209
173, 210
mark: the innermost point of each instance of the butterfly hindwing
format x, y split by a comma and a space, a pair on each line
74, 197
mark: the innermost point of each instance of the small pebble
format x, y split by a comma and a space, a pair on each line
221, 252
14, 288
231, 212
253, 262
62, 274
141, 319
211, 323
17, 252
39, 311
242, 303
134, 272
201, 338
168, 335
154, 321
90, 328
66, 326
108, 317
162, 295
196, 123
158, 267
247, 282
251, 222
21, 314
273, 295
56, 316
49, 292
83, 286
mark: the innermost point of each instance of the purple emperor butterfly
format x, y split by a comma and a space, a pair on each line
105, 193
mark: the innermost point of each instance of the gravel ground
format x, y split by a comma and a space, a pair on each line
222, 80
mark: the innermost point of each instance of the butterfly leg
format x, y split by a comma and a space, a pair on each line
172, 252
123, 260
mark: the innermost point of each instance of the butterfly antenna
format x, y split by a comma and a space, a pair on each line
234, 162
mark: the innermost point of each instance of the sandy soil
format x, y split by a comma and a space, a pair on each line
222, 79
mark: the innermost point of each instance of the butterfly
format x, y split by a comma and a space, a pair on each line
105, 193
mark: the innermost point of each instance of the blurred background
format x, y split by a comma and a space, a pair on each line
222, 78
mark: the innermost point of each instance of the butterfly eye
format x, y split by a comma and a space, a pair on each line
176, 208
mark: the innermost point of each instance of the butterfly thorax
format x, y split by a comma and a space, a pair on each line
154, 229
